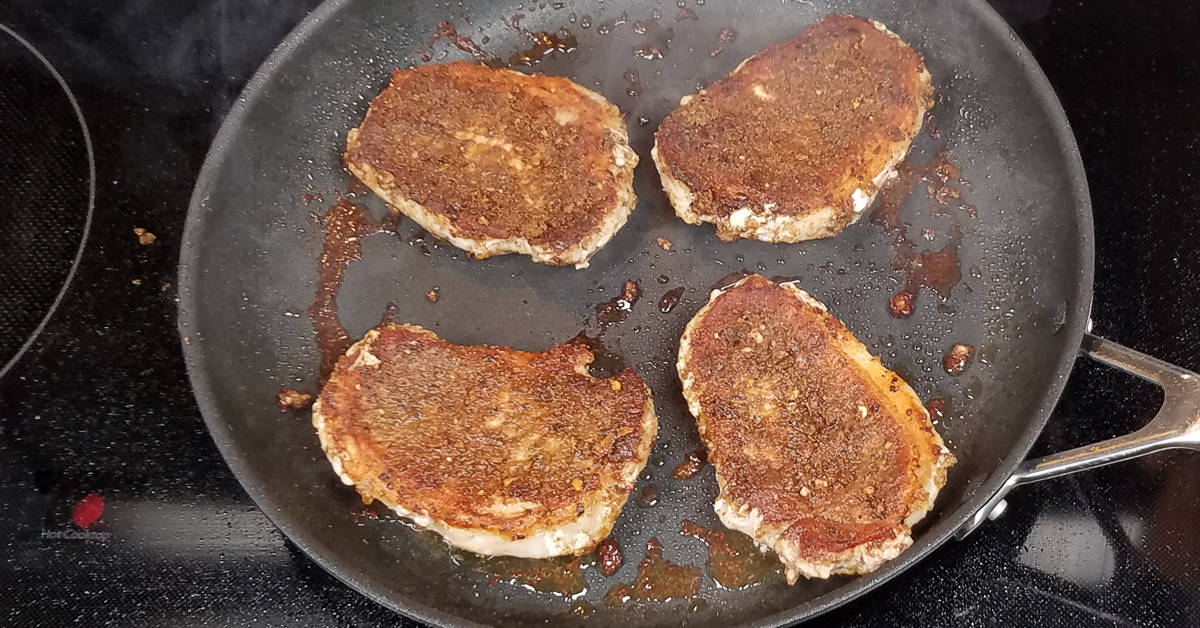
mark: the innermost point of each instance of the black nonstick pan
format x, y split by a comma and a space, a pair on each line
1015, 223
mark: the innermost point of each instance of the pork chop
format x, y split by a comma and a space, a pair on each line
795, 143
822, 454
502, 452
496, 161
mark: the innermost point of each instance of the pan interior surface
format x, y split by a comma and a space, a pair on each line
248, 275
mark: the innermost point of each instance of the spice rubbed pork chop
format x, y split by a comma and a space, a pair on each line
822, 454
795, 143
502, 452
496, 161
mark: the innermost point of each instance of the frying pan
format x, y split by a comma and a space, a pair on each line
248, 272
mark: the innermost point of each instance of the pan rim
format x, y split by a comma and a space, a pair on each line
932, 538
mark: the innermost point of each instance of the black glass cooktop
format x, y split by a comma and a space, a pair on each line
117, 508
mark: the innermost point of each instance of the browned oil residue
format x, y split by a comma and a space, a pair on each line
649, 496
957, 358
936, 408
657, 579
938, 270
543, 44
356, 188
670, 300
292, 399
617, 309
728, 280
609, 556
724, 38
691, 464
310, 197
893, 195
446, 30
658, 40
364, 513
558, 576
345, 225
945, 195
605, 363
946, 171
733, 560
686, 14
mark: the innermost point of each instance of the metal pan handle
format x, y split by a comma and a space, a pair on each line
1177, 424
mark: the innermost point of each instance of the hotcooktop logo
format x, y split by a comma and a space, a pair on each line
85, 514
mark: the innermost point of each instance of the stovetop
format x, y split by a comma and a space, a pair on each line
119, 510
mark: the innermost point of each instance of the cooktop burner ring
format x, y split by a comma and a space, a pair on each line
27, 308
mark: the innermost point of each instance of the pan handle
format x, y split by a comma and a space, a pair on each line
1177, 425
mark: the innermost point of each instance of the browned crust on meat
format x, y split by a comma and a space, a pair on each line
798, 127
483, 437
831, 456
496, 155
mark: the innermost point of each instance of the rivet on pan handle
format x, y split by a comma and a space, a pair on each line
1177, 424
